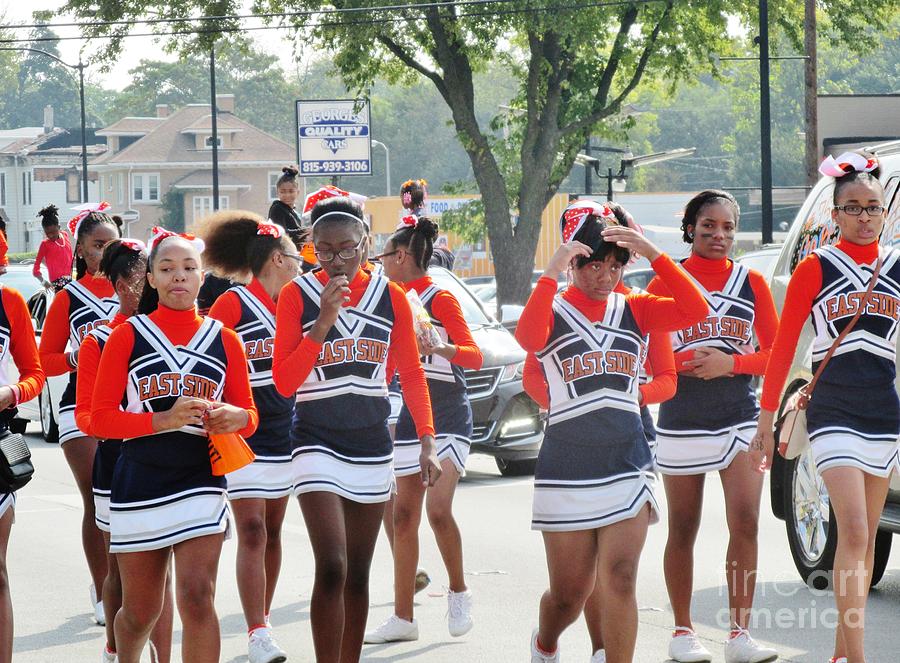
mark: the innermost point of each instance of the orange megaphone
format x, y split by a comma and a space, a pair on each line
228, 452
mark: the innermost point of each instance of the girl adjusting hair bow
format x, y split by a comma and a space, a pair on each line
270, 228
848, 162
408, 221
84, 211
576, 214
158, 234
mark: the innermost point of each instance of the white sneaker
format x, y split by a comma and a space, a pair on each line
459, 612
262, 648
599, 656
108, 657
99, 615
393, 629
744, 649
537, 656
685, 647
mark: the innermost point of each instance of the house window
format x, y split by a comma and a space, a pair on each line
209, 142
73, 186
145, 188
26, 187
2, 189
203, 206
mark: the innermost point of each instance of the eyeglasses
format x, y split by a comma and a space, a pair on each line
295, 256
857, 210
389, 253
343, 254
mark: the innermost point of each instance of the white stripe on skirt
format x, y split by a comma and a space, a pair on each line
67, 429
101, 509
368, 480
836, 446
454, 447
267, 477
699, 451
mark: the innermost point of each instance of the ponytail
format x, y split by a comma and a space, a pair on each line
418, 240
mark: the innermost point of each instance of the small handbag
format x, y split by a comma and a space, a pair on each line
16, 469
793, 436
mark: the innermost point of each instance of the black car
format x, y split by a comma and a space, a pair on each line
507, 423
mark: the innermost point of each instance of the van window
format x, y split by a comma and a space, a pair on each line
890, 236
818, 227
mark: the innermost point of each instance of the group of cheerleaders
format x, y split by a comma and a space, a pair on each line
300, 365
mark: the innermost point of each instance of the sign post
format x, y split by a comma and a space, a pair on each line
333, 137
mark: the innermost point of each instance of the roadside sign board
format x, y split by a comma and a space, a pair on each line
333, 137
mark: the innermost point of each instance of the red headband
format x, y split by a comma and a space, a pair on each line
574, 216
269, 228
158, 234
134, 244
83, 212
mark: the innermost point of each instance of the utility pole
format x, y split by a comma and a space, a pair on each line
215, 127
587, 168
810, 89
765, 123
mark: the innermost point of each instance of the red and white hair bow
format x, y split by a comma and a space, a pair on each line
158, 234
83, 212
574, 216
408, 221
848, 162
330, 191
271, 229
134, 244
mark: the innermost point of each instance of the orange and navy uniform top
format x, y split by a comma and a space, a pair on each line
347, 373
88, 363
79, 307
250, 311
828, 286
591, 351
657, 380
149, 362
17, 342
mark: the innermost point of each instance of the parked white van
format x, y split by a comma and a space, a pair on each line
798, 494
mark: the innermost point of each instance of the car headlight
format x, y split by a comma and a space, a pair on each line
520, 427
512, 372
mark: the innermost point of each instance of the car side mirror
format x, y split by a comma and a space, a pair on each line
510, 314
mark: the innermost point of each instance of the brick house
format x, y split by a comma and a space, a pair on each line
165, 162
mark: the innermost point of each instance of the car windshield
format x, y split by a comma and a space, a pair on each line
20, 279
471, 309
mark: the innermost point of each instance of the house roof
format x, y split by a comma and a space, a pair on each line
167, 144
202, 179
224, 122
132, 126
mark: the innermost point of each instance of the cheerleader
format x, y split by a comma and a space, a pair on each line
88, 302
16, 341
405, 260
594, 493
337, 328
853, 417
282, 211
239, 242
179, 378
124, 263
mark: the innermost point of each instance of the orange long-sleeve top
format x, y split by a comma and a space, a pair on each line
713, 275
652, 313
55, 333
445, 308
804, 286
58, 256
296, 353
227, 308
22, 346
660, 366
88, 363
4, 249
109, 421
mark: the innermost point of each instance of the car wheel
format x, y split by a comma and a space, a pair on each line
49, 427
811, 527
515, 468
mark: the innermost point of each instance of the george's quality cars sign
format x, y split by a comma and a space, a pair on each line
333, 137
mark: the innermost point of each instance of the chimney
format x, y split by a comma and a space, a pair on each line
48, 119
225, 103
162, 110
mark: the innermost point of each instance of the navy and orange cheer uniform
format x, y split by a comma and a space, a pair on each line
89, 302
595, 467
708, 422
17, 341
854, 414
340, 434
250, 311
163, 490
656, 380
107, 454
450, 406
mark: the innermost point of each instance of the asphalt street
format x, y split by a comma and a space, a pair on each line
505, 568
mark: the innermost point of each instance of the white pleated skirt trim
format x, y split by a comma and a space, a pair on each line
101, 509
7, 502
454, 447
267, 477
68, 431
701, 451
166, 521
367, 480
836, 446
569, 506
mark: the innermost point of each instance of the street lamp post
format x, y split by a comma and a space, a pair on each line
387, 169
80, 68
